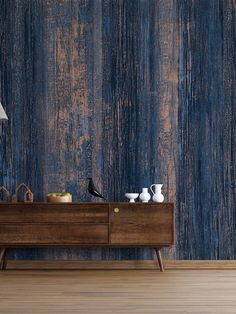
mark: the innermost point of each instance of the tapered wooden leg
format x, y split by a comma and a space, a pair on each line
4, 264
3, 258
159, 258
2, 254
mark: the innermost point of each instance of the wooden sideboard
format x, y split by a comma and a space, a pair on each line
86, 224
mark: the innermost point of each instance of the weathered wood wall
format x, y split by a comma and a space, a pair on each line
130, 92
207, 125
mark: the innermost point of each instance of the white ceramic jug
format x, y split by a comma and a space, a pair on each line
158, 197
145, 196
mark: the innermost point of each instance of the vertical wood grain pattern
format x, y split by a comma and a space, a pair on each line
207, 121
131, 92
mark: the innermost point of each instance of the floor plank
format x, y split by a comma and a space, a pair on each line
117, 291
118, 264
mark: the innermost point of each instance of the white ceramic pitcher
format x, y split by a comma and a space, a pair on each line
158, 197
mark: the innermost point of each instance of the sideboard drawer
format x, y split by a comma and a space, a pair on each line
142, 224
53, 234
54, 213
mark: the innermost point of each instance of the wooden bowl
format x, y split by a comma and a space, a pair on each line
59, 199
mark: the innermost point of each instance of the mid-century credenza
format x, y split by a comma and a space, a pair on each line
86, 225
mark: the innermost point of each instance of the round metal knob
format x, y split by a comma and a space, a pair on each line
116, 210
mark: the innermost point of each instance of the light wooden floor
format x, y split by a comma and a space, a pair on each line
117, 291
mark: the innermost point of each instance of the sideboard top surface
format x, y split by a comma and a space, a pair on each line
87, 203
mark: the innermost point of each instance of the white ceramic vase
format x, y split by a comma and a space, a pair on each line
158, 197
145, 196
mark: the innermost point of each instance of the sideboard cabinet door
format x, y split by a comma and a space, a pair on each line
141, 224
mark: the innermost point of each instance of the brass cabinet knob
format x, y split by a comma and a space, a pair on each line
116, 210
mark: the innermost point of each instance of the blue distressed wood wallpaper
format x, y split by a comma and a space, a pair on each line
130, 92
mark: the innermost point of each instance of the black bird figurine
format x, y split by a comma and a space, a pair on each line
92, 189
